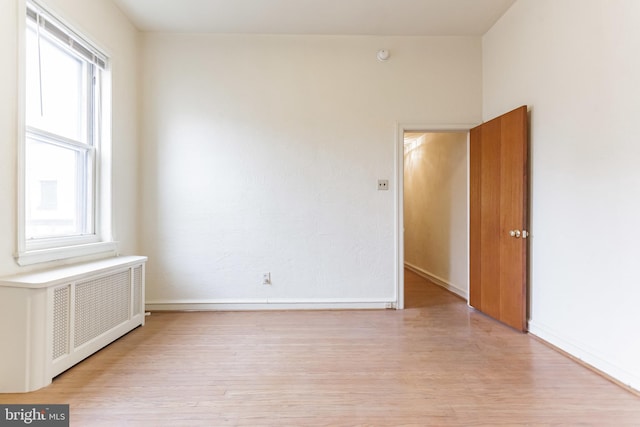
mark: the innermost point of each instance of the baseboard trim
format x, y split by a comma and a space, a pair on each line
437, 280
585, 357
263, 305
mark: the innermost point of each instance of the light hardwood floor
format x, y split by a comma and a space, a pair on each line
436, 363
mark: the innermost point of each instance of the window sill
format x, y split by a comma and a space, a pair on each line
55, 254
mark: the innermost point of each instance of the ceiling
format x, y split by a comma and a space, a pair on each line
328, 17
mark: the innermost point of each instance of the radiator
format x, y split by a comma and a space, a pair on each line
71, 312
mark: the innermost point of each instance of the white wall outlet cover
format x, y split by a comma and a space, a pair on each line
383, 184
266, 278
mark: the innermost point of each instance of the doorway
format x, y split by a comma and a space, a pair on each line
432, 206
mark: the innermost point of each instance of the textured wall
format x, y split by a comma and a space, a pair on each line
8, 132
576, 64
262, 153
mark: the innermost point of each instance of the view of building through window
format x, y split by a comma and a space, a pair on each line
62, 125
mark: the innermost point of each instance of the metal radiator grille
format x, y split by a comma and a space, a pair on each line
61, 321
101, 304
137, 290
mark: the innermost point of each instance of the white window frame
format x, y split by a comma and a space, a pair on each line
100, 241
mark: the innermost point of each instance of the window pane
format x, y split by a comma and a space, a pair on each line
55, 199
60, 107
48, 194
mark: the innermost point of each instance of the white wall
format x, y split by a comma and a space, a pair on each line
8, 131
262, 154
101, 21
576, 64
435, 209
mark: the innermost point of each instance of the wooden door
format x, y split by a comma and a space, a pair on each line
498, 218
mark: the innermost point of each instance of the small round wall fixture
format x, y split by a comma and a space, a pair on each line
383, 55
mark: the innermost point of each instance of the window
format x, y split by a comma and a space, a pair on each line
63, 206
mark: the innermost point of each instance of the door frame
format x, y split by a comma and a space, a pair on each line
401, 128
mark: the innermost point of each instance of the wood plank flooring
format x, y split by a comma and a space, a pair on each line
436, 363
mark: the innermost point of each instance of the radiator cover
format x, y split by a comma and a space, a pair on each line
69, 313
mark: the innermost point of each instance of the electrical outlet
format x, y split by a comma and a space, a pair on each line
383, 184
266, 278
